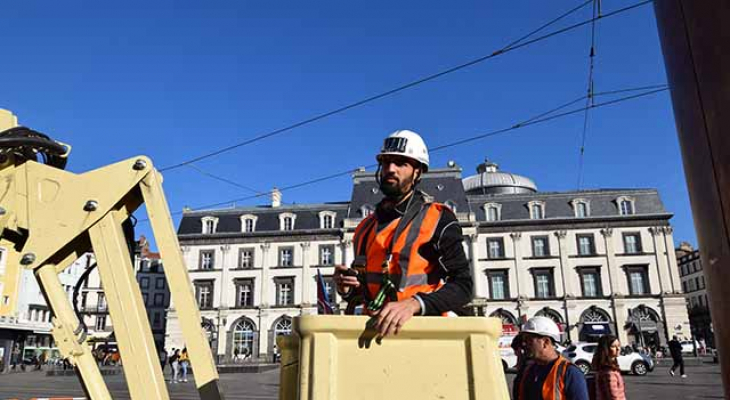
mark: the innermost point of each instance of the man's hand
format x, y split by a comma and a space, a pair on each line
344, 281
392, 317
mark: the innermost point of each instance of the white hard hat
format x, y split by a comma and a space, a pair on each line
542, 326
407, 144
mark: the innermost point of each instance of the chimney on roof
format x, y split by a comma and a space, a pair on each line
275, 198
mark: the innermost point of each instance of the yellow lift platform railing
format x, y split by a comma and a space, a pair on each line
50, 217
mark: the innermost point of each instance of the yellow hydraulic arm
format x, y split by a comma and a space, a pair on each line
50, 217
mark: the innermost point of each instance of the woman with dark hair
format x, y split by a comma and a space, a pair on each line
609, 383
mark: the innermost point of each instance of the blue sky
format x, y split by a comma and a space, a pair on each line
174, 80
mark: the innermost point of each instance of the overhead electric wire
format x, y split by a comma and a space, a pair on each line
520, 43
648, 90
589, 98
545, 119
219, 178
553, 21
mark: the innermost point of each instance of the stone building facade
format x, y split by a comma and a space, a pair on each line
28, 330
595, 261
695, 289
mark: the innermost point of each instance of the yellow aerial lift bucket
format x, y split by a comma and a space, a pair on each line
332, 357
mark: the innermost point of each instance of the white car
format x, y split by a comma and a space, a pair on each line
581, 354
509, 359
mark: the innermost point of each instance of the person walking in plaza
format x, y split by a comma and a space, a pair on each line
15, 358
409, 258
175, 364
609, 382
184, 363
549, 376
675, 349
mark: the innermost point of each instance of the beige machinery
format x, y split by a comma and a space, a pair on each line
50, 217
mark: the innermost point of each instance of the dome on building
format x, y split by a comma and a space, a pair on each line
489, 180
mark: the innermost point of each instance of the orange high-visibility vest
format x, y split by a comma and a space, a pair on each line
408, 270
554, 386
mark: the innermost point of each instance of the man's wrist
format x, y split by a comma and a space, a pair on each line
415, 305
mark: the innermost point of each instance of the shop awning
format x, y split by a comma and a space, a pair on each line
644, 326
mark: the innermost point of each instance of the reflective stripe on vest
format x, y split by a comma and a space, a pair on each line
410, 272
554, 386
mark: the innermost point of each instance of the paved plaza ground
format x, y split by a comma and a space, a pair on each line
703, 382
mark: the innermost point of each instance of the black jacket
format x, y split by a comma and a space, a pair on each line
675, 348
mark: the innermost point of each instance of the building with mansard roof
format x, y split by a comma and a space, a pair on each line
595, 261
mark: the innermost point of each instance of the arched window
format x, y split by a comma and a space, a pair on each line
595, 315
552, 314
209, 328
507, 317
283, 326
595, 323
243, 335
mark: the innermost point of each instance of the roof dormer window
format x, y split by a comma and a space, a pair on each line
626, 205
327, 219
493, 212
581, 208
210, 225
286, 221
248, 223
537, 209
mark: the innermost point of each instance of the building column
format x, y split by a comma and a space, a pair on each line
347, 255
621, 313
671, 256
265, 280
306, 275
480, 285
563, 249
225, 255
520, 284
661, 262
607, 234
346, 252
567, 286
222, 356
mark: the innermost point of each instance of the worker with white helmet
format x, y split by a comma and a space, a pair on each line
548, 376
409, 259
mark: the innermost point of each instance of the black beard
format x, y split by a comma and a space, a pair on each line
390, 189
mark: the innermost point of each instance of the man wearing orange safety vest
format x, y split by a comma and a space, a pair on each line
409, 259
547, 375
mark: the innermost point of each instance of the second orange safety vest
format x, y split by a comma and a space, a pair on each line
554, 386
